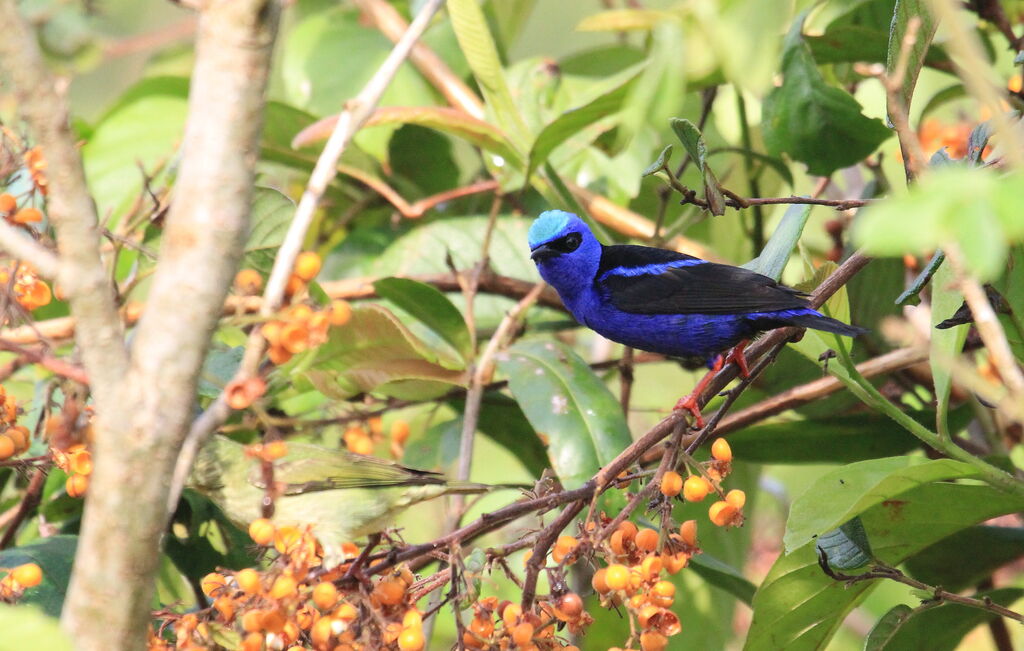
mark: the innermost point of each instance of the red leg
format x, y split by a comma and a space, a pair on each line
736, 356
689, 403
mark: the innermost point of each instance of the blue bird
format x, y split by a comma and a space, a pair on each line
666, 302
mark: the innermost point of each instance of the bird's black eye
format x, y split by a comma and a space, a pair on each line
570, 242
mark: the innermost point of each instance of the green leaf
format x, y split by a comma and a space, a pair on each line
773, 258
24, 625
945, 344
911, 295
478, 46
798, 607
967, 557
885, 628
947, 94
432, 308
140, 133
659, 164
847, 547
691, 137
843, 438
624, 20
724, 576
503, 421
905, 11
943, 628
219, 367
853, 489
813, 122
54, 555
375, 352
606, 99
567, 405
270, 217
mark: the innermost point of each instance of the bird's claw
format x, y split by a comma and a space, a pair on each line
689, 403
737, 357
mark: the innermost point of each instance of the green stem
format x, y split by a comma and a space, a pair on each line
748, 166
871, 396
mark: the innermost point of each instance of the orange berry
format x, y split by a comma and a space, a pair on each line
400, 432
600, 581
261, 531
617, 544
27, 215
688, 532
346, 612
294, 285
225, 605
389, 592
7, 203
325, 595
278, 355
522, 633
564, 546
252, 621
271, 331
22, 439
274, 450
721, 451
664, 590
8, 448
212, 583
737, 498
248, 281
617, 576
411, 639
722, 513
28, 575
307, 265
252, 642
510, 614
359, 444
628, 530
341, 312
650, 567
248, 581
569, 607
412, 619
295, 337
653, 641
274, 620
673, 563
696, 488
81, 462
646, 540
322, 632
76, 485
671, 483
287, 539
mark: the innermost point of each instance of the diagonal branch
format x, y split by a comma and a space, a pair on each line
24, 248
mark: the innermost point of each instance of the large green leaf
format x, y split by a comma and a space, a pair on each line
943, 628
54, 556
270, 217
815, 123
138, 134
847, 492
773, 258
375, 352
967, 557
567, 405
24, 626
904, 13
724, 576
935, 211
502, 420
798, 607
432, 308
603, 100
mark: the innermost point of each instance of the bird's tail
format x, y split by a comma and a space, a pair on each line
471, 488
818, 321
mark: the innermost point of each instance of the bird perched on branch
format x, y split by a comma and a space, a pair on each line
666, 302
345, 496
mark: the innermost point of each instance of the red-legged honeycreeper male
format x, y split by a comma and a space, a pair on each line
665, 302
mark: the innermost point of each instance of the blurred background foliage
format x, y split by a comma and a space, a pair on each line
581, 107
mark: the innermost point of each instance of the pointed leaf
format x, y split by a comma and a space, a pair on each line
691, 137
776, 252
885, 628
943, 628
853, 489
432, 308
568, 405
270, 217
847, 547
905, 11
724, 576
663, 158
946, 343
945, 563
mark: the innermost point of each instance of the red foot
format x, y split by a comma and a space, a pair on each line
689, 403
737, 357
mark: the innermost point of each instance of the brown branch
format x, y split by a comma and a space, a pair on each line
545, 539
53, 364
136, 447
22, 247
29, 501
81, 272
747, 202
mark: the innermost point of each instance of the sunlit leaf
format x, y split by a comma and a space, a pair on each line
943, 629
905, 12
946, 564
430, 307
885, 628
775, 254
269, 219
690, 136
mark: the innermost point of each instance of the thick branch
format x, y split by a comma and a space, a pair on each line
136, 448
24, 248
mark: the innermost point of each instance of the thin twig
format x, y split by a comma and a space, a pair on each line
29, 501
21, 246
47, 361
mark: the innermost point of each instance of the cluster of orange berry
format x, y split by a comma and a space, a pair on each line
358, 440
14, 439
634, 578
77, 462
296, 604
9, 210
301, 328
725, 512
29, 290
36, 168
529, 631
18, 579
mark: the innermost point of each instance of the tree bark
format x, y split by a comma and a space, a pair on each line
111, 589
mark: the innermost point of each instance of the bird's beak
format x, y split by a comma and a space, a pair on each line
543, 252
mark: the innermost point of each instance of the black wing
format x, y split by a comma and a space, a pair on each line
698, 288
